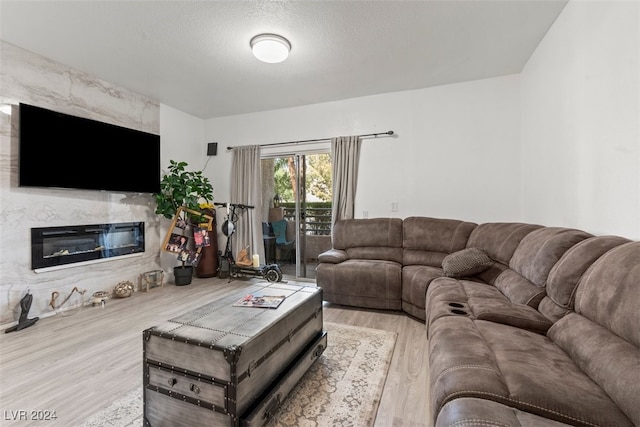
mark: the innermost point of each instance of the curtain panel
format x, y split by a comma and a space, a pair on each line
246, 188
345, 154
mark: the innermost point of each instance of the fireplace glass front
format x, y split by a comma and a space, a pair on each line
56, 246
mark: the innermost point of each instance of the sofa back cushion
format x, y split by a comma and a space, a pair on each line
427, 240
375, 238
563, 278
541, 249
499, 240
529, 267
602, 335
609, 293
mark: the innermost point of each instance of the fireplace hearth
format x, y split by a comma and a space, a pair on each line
59, 246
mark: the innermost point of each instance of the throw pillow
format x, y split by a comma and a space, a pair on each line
466, 262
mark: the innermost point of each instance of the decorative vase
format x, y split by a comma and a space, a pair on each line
183, 275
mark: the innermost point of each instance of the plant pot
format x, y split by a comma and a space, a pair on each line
183, 275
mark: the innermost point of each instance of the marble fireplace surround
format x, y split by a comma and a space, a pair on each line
36, 80
54, 248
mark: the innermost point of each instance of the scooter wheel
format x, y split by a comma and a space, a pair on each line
273, 275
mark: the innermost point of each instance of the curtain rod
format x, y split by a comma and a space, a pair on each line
375, 135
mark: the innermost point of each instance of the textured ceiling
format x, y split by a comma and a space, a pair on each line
195, 55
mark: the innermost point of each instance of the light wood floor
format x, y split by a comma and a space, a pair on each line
76, 365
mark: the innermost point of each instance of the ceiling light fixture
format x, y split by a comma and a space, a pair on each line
270, 48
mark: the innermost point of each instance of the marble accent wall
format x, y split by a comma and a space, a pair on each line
33, 79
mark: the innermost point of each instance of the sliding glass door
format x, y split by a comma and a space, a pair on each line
296, 192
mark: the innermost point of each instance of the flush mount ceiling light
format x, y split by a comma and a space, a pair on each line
270, 48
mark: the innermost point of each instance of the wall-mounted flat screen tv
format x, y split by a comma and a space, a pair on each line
64, 151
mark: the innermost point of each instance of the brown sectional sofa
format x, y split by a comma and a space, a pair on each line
547, 332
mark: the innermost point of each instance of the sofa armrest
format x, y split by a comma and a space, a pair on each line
507, 313
333, 256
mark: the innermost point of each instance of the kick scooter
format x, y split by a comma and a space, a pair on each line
228, 267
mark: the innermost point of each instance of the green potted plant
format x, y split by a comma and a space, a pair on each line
180, 188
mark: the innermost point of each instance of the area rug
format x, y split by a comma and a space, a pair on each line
342, 388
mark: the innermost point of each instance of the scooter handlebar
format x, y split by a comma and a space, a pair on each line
235, 205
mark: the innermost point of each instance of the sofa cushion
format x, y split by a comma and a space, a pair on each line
565, 275
518, 368
426, 241
373, 253
460, 363
610, 361
603, 336
466, 262
518, 289
541, 249
609, 292
362, 283
415, 282
371, 239
525, 280
499, 239
374, 233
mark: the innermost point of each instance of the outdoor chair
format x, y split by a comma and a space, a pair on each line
269, 240
286, 246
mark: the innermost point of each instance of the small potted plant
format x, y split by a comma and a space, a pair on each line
180, 188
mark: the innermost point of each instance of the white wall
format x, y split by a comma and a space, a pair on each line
182, 138
456, 154
182, 141
581, 120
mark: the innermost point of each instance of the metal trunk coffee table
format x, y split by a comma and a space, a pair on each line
222, 364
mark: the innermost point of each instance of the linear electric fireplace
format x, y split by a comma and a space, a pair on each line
57, 246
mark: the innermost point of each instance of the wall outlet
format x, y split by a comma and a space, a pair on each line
365, 214
394, 206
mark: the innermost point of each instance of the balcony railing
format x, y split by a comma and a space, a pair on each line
317, 217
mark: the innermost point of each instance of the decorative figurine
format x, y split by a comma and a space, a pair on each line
24, 321
123, 289
99, 298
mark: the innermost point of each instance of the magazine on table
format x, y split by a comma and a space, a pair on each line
260, 301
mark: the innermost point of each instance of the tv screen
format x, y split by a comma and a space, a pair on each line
65, 151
